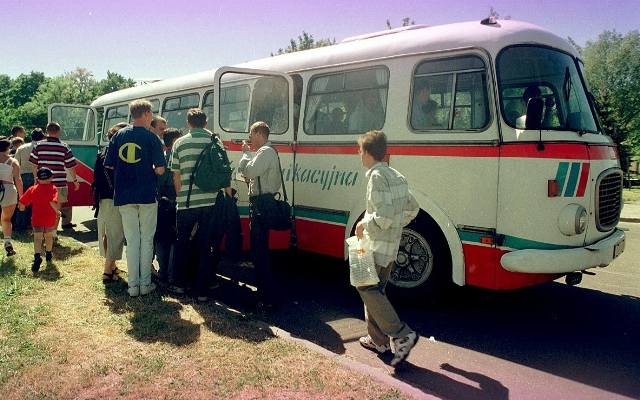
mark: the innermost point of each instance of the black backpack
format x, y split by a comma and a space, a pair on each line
212, 170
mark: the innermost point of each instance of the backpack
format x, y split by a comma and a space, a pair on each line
212, 170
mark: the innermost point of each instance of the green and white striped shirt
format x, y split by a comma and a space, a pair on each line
185, 154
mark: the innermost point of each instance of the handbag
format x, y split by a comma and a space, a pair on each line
362, 267
273, 211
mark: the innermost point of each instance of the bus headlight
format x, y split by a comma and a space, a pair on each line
572, 220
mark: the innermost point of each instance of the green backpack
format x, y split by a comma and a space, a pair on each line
212, 170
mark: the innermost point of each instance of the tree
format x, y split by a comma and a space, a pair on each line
305, 42
112, 83
24, 87
612, 69
406, 21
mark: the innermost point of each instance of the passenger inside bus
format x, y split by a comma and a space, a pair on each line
423, 114
368, 114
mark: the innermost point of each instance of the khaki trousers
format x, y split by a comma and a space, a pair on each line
382, 320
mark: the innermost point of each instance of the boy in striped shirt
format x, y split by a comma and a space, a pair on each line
57, 156
200, 210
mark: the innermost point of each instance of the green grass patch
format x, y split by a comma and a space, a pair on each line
631, 195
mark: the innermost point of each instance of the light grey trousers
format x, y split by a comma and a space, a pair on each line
382, 320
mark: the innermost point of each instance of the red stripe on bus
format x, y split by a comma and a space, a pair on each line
584, 177
563, 151
603, 153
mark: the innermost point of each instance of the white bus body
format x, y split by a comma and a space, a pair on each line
502, 206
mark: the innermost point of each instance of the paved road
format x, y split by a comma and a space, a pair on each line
549, 342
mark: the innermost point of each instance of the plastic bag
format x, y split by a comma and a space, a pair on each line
362, 268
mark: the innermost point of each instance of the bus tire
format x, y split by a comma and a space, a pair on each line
423, 266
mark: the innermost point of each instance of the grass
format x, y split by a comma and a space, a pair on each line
631, 195
63, 334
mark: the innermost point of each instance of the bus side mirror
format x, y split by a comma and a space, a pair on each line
535, 106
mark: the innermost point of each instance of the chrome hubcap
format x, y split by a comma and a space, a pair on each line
414, 262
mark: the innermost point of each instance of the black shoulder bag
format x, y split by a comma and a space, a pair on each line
272, 211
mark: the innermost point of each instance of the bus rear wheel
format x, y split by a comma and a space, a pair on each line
423, 265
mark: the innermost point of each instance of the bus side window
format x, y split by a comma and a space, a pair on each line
435, 105
175, 109
113, 116
347, 102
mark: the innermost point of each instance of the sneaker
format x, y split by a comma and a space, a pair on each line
48, 256
35, 267
9, 249
403, 347
176, 289
369, 344
146, 289
134, 291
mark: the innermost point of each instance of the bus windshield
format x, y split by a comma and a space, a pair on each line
530, 71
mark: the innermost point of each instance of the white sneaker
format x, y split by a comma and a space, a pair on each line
369, 344
146, 289
134, 291
403, 347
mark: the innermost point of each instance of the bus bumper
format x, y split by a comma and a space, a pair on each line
599, 254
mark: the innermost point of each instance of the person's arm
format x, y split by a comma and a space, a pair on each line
158, 156
33, 159
76, 184
381, 217
25, 199
177, 185
17, 178
253, 167
410, 209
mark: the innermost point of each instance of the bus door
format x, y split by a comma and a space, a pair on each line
79, 127
242, 97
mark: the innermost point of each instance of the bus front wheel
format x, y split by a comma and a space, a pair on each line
423, 264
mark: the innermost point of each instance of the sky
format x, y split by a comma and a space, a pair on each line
158, 39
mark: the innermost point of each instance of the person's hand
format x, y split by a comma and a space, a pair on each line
245, 146
21, 207
76, 185
360, 230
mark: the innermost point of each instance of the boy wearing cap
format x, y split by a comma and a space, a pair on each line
43, 198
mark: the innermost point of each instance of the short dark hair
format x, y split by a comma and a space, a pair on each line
16, 129
197, 118
53, 127
4, 145
170, 136
114, 129
37, 134
155, 120
17, 142
260, 127
374, 143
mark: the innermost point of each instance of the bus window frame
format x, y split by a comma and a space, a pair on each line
163, 109
89, 142
105, 128
309, 85
489, 79
579, 73
211, 93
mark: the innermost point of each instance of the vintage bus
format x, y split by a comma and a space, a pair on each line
491, 122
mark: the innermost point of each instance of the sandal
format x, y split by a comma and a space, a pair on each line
108, 278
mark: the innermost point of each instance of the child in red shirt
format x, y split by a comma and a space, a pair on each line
43, 197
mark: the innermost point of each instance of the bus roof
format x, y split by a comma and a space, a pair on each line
420, 39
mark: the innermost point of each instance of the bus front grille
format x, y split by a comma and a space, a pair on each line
609, 199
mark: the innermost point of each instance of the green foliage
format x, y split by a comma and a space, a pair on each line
305, 42
612, 69
24, 100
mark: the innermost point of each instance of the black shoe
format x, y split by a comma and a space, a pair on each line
48, 256
68, 226
35, 267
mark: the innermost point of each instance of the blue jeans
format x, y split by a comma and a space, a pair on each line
139, 224
22, 219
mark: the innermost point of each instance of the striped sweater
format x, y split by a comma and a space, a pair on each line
55, 155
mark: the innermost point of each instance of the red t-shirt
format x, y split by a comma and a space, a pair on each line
39, 196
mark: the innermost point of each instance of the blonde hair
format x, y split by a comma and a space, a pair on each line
260, 127
374, 143
137, 108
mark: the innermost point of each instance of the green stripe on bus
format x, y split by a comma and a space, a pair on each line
328, 216
573, 179
561, 175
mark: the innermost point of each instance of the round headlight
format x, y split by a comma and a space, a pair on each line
573, 220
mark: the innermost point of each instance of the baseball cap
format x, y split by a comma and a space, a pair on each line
44, 173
